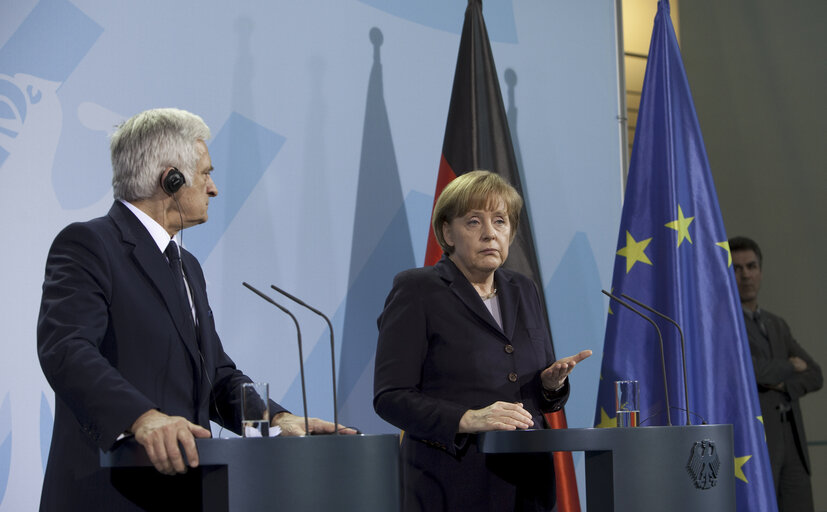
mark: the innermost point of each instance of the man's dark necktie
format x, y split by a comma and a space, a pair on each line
174, 257
176, 266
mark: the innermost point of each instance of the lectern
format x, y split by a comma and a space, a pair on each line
677, 469
341, 473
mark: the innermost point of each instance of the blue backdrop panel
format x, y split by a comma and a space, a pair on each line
327, 121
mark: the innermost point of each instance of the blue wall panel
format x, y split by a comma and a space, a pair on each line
327, 122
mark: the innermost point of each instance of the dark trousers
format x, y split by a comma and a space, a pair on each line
792, 481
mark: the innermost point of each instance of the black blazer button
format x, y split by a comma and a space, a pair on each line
509, 349
512, 377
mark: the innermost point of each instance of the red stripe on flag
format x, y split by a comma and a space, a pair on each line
446, 175
568, 499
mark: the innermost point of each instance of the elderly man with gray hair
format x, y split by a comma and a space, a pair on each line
126, 336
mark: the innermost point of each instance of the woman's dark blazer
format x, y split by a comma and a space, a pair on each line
440, 352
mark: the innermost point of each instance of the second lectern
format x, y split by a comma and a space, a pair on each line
686, 468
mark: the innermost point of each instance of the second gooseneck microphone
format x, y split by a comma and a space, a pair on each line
301, 356
662, 357
683, 349
332, 348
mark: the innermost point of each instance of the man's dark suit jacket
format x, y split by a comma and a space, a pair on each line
770, 358
440, 352
113, 344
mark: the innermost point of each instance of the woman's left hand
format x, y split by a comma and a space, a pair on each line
555, 375
292, 425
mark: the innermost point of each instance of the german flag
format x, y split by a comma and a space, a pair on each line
477, 137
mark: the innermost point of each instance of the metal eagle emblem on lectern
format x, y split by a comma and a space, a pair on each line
704, 464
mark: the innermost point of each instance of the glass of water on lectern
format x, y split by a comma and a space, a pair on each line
627, 400
255, 410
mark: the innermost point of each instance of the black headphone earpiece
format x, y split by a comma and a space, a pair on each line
173, 181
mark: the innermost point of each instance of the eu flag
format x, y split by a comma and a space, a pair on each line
672, 254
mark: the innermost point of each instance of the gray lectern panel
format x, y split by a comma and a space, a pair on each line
645, 468
341, 473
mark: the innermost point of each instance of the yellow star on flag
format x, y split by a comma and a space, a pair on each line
761, 419
681, 225
634, 251
739, 467
725, 246
606, 421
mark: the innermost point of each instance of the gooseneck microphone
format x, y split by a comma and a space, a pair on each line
683, 348
662, 358
301, 356
332, 348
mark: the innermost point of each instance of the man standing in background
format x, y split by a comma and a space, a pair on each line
785, 372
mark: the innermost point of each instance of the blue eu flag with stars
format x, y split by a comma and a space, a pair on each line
672, 254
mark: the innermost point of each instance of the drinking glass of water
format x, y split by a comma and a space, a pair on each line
255, 413
627, 400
